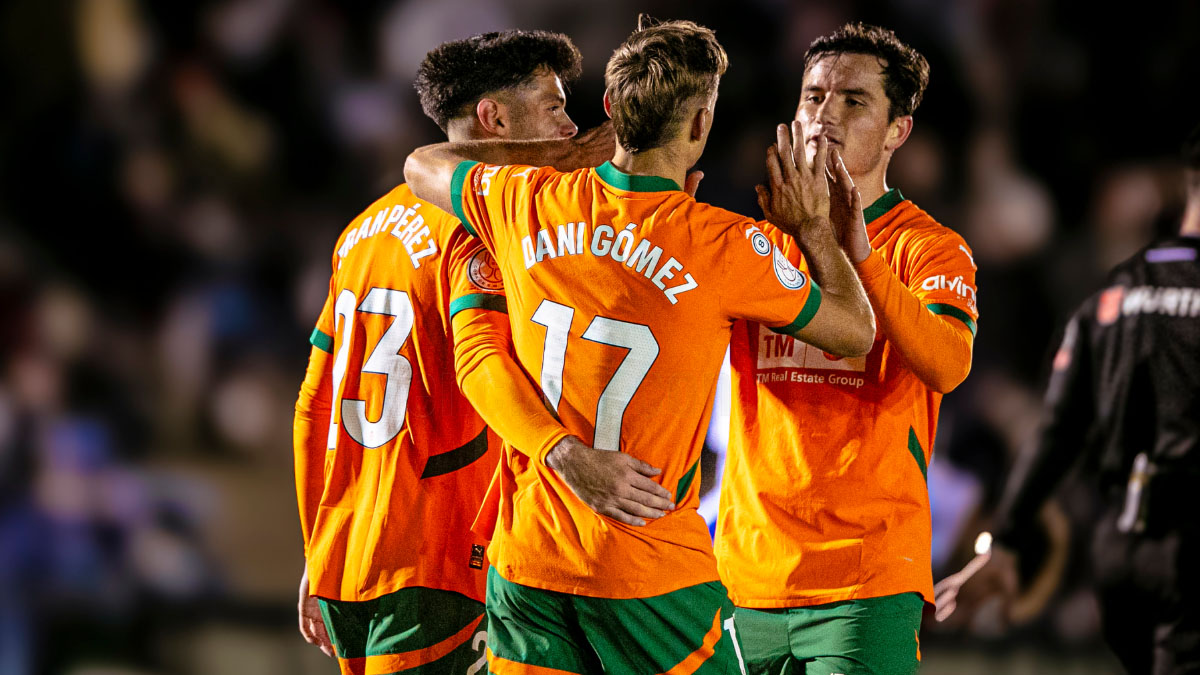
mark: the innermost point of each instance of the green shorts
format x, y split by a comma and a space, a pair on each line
545, 633
873, 636
416, 631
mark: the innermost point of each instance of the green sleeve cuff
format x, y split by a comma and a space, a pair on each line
456, 193
951, 310
806, 313
321, 341
492, 301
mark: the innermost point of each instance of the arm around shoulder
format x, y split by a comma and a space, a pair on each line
429, 172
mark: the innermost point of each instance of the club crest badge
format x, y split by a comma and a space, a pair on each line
484, 273
786, 272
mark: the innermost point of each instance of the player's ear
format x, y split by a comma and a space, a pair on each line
701, 123
898, 132
492, 116
607, 105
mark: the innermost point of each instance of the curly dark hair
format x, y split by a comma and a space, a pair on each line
455, 75
905, 71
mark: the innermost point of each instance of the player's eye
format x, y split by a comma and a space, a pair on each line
812, 98
853, 102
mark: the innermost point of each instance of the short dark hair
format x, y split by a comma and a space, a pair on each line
457, 74
658, 69
905, 71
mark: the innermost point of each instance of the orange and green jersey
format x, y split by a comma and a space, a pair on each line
406, 460
824, 496
622, 291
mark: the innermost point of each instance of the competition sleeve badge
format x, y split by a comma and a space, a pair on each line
786, 272
760, 243
484, 273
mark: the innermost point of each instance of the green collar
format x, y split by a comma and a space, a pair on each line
624, 181
883, 204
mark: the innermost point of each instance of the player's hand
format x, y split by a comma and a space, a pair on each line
845, 210
612, 484
594, 146
796, 199
312, 626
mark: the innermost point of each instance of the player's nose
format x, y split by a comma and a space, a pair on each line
567, 128
826, 114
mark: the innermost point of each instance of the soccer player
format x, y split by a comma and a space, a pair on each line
823, 536
622, 290
391, 460
1124, 400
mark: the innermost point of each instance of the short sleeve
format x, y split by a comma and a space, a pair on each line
943, 278
761, 282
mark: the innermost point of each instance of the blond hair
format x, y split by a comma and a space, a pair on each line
654, 73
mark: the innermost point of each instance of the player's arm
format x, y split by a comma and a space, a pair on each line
935, 339
497, 387
936, 347
310, 434
797, 202
429, 170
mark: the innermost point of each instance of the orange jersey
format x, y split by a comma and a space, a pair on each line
622, 291
406, 458
824, 495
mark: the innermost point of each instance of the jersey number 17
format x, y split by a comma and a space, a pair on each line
637, 338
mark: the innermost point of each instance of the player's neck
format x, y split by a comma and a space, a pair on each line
871, 187
662, 162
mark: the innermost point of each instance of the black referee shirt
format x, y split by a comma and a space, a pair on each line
1125, 381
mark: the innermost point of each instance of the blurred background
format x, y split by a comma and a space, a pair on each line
173, 176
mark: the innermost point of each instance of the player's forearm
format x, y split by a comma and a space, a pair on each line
561, 154
510, 405
840, 287
429, 169
310, 432
497, 387
936, 348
